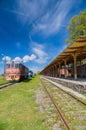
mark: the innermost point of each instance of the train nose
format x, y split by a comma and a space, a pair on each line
12, 77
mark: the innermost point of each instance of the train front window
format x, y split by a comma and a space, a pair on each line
7, 65
16, 65
12, 65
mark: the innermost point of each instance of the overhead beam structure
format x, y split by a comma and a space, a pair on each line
73, 54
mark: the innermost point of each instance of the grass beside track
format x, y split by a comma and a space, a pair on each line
18, 109
2, 80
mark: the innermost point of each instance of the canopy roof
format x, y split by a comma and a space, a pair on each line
78, 48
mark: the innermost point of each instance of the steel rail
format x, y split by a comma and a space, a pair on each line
5, 85
57, 108
70, 94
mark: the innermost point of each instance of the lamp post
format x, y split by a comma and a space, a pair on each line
4, 63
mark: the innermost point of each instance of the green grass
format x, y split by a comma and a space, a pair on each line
18, 109
84, 93
2, 80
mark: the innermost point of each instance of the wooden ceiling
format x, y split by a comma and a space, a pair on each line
78, 48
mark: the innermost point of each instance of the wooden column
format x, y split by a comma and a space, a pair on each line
51, 72
48, 72
65, 69
59, 70
55, 70
75, 67
80, 68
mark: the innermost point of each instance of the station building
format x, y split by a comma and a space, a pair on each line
71, 63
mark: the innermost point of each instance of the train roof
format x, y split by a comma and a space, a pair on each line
12, 62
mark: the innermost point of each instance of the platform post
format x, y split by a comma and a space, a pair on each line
52, 71
59, 70
75, 67
55, 70
49, 72
65, 68
81, 68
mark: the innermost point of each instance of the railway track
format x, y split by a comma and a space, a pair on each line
71, 110
5, 85
83, 101
57, 108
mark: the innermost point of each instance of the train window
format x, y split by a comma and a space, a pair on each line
7, 65
20, 66
16, 65
12, 65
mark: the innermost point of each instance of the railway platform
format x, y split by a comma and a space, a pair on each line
69, 90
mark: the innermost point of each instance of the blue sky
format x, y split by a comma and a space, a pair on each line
34, 31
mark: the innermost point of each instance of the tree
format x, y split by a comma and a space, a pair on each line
76, 27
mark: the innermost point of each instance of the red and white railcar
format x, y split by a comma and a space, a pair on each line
16, 71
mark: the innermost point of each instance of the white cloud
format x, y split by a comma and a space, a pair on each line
17, 59
28, 10
42, 60
39, 55
27, 58
6, 58
39, 52
45, 16
35, 69
39, 46
54, 19
42, 56
32, 57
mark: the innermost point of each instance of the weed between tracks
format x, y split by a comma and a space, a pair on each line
73, 111
47, 108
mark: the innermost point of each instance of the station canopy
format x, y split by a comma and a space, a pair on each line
77, 48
